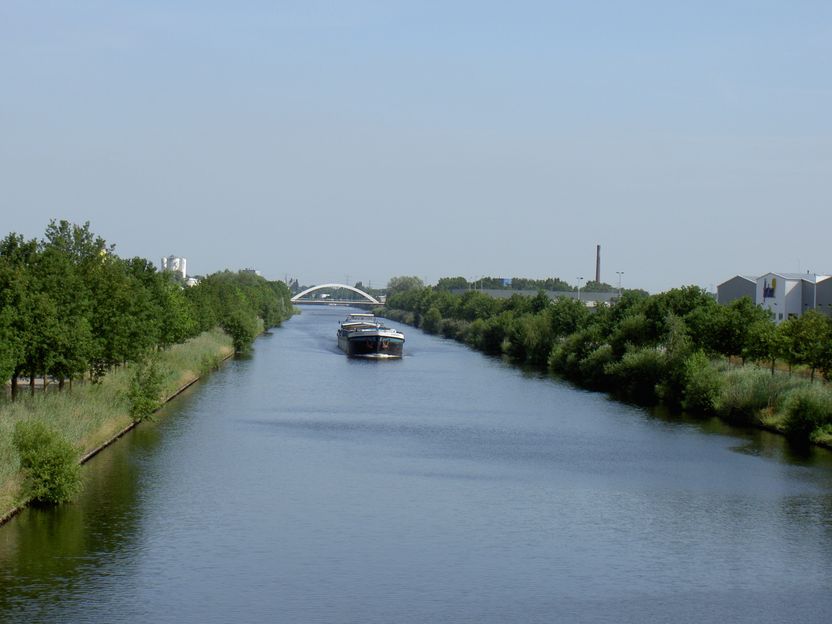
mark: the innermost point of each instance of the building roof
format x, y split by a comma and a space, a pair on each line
809, 277
750, 278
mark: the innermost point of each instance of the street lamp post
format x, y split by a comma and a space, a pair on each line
580, 285
619, 273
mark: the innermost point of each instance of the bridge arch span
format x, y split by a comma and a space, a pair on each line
369, 298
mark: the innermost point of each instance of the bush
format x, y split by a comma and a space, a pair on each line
703, 384
50, 466
808, 409
593, 367
453, 328
473, 333
432, 320
568, 353
637, 373
494, 332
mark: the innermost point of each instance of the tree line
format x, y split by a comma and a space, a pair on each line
554, 284
70, 306
674, 347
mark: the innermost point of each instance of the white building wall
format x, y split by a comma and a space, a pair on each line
793, 296
175, 264
771, 295
782, 296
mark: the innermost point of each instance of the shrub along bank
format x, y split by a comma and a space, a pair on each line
674, 348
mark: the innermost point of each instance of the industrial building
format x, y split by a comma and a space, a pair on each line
785, 295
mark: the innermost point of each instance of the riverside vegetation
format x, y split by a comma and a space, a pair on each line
111, 339
680, 348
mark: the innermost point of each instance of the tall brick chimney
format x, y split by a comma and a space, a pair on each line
598, 264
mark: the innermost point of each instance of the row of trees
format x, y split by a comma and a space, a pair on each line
522, 283
528, 328
647, 348
70, 306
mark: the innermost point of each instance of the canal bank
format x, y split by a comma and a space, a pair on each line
93, 416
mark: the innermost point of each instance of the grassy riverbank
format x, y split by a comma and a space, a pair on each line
91, 414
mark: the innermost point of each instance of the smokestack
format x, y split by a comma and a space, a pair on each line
598, 264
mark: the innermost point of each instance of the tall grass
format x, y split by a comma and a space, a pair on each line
749, 392
90, 414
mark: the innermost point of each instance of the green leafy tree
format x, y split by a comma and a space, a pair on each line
762, 343
452, 283
146, 384
567, 316
477, 305
11, 295
814, 335
242, 327
58, 276
403, 283
788, 341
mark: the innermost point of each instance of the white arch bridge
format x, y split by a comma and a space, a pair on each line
367, 300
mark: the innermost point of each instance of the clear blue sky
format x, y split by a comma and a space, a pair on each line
692, 140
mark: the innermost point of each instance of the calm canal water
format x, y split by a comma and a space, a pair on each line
300, 486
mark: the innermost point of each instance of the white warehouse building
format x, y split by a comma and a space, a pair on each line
785, 295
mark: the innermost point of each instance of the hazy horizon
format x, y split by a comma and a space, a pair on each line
321, 141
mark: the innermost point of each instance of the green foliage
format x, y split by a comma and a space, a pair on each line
432, 320
566, 316
593, 368
10, 344
453, 328
808, 409
49, 462
529, 338
473, 333
452, 283
630, 331
568, 354
494, 333
146, 383
703, 384
403, 283
241, 327
812, 341
523, 283
636, 375
762, 343
677, 348
476, 305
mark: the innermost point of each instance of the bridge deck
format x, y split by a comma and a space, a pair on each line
338, 302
